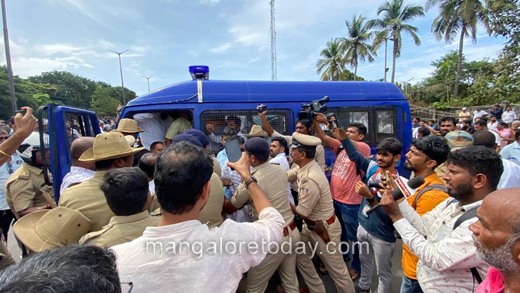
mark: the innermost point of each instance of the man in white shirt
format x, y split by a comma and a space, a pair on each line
154, 126
511, 175
79, 171
478, 113
493, 123
442, 242
182, 254
511, 152
278, 152
481, 125
509, 115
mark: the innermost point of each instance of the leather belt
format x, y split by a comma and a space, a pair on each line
329, 221
287, 229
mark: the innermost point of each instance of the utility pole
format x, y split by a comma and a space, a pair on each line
8, 60
386, 42
273, 41
148, 80
406, 85
121, 70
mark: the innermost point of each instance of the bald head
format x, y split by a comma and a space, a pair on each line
497, 233
78, 147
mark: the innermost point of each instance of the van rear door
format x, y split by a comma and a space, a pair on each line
64, 124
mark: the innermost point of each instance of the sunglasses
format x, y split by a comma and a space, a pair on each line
4, 137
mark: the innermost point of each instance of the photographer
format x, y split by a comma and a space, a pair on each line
342, 183
424, 156
301, 127
441, 238
375, 229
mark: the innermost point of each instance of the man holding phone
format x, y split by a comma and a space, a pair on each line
376, 228
342, 182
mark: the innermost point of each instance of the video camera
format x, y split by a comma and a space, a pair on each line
309, 110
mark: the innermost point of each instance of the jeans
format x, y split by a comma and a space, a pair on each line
410, 286
348, 215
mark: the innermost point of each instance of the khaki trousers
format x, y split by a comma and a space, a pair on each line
333, 260
258, 277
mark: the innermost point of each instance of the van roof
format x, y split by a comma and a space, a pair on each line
215, 91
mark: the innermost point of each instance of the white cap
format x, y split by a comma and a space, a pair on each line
464, 108
34, 142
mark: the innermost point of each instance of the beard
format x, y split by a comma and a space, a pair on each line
408, 166
501, 258
461, 192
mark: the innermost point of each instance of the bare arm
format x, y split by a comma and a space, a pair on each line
24, 127
265, 124
319, 132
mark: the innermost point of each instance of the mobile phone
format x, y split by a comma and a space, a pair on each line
261, 109
233, 150
333, 121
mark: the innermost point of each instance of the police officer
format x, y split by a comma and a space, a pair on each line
126, 193
273, 182
110, 151
26, 190
321, 227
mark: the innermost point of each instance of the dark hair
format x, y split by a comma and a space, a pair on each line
126, 190
147, 163
390, 145
424, 131
447, 118
431, 120
310, 152
517, 135
481, 122
485, 138
228, 131
467, 121
234, 118
362, 129
152, 146
73, 268
434, 147
307, 124
104, 165
283, 143
502, 123
180, 174
478, 160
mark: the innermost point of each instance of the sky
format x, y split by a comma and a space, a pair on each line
164, 37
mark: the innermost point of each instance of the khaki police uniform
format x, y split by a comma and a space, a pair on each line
272, 180
88, 199
121, 229
212, 211
315, 203
26, 188
216, 166
320, 151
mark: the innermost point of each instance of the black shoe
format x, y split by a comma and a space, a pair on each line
359, 290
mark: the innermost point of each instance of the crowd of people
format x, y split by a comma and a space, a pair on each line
147, 207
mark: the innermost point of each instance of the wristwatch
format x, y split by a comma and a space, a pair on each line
250, 180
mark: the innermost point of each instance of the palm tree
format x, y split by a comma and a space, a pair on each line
458, 16
395, 16
332, 62
356, 46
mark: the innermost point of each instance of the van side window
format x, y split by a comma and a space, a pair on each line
386, 123
348, 115
213, 122
76, 126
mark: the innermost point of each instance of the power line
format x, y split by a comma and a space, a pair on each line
83, 25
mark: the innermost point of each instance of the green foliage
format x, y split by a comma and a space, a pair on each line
103, 102
60, 87
332, 63
355, 47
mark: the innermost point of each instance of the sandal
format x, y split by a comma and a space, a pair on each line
323, 269
354, 275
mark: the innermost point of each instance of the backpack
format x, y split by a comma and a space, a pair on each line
426, 189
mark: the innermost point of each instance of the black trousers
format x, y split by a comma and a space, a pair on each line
6, 218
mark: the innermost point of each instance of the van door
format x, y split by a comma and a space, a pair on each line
63, 125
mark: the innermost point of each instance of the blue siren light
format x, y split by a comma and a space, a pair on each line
199, 72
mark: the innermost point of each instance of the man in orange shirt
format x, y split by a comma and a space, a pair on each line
424, 156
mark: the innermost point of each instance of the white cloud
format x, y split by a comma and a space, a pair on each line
256, 59
222, 48
209, 2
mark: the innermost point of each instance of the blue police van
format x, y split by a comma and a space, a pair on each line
379, 105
